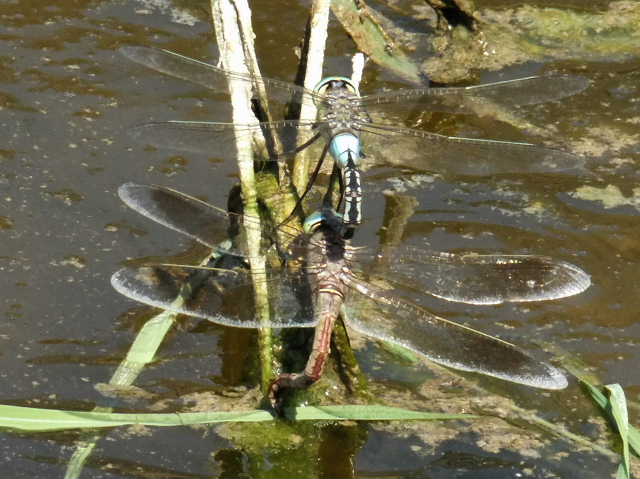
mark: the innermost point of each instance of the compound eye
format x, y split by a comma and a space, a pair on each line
331, 83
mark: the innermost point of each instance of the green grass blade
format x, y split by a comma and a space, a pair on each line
622, 473
616, 407
633, 434
634, 440
368, 413
34, 419
619, 413
142, 352
597, 395
80, 455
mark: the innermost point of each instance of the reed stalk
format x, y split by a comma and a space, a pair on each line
232, 21
317, 38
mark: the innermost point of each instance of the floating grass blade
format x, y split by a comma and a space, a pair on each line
619, 414
141, 353
34, 419
614, 407
633, 434
38, 420
368, 413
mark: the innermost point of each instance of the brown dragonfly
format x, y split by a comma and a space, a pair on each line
335, 275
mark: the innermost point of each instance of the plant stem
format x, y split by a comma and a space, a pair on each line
229, 16
317, 27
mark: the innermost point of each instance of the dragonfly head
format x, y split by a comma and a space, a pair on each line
326, 85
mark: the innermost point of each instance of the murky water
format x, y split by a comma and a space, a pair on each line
66, 101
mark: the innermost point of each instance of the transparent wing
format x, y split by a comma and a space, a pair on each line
426, 151
218, 139
477, 99
469, 278
225, 298
182, 213
445, 342
212, 77
485, 278
185, 214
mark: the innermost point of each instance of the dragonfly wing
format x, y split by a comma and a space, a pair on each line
214, 139
487, 278
180, 212
425, 151
223, 298
476, 99
212, 77
190, 216
218, 139
443, 341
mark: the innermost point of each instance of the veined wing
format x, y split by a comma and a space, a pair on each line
485, 279
212, 77
218, 139
425, 151
475, 99
223, 296
442, 341
185, 214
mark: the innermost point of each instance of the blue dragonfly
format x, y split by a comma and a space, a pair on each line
348, 120
331, 273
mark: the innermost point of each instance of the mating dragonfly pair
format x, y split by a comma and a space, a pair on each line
347, 121
335, 275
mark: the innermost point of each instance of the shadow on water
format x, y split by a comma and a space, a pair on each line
66, 101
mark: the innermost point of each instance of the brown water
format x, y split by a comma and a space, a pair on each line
66, 100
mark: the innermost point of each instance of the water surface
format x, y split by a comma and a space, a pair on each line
66, 100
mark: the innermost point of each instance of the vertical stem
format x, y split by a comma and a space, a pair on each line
246, 30
232, 43
357, 67
318, 22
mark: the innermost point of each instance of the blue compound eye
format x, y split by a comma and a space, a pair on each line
312, 221
316, 218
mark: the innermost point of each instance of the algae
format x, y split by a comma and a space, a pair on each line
610, 196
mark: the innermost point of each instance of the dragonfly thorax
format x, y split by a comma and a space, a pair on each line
340, 105
342, 111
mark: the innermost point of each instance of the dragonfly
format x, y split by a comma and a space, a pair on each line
336, 274
347, 120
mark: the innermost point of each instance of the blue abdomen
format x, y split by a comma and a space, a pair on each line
341, 145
